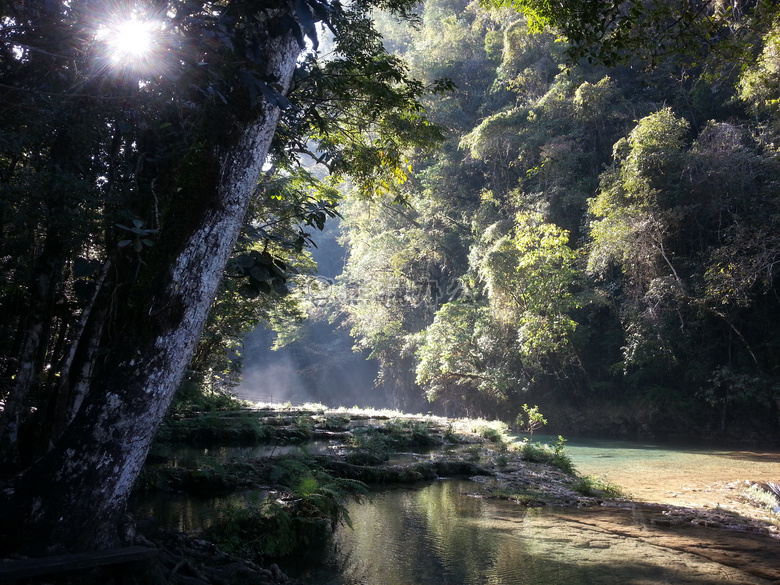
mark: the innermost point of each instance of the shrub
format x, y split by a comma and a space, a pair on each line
474, 453
218, 428
530, 419
598, 487
555, 455
494, 431
407, 432
368, 448
762, 498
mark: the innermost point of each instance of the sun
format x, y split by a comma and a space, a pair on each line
130, 43
131, 39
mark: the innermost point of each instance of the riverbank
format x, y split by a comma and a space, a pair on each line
294, 496
363, 445
315, 459
371, 446
239, 493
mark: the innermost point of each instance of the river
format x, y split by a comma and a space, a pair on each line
437, 534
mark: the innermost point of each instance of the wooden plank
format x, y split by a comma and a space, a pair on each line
35, 567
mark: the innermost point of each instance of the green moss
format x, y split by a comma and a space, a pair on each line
219, 428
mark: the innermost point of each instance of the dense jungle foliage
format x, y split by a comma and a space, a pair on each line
596, 232
598, 238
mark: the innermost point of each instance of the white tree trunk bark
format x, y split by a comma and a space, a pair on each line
73, 497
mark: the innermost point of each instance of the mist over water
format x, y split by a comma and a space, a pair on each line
321, 367
270, 377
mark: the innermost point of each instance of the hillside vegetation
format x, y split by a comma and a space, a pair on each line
600, 240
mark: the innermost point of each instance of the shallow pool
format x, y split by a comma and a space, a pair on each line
437, 535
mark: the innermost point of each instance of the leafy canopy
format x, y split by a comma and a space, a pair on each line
613, 31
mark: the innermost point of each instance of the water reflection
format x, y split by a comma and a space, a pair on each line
186, 512
437, 536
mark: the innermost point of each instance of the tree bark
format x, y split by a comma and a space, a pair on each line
42, 289
11, 421
73, 497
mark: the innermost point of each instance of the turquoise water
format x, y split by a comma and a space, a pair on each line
680, 475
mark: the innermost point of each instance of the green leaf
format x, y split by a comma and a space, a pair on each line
305, 17
248, 291
260, 273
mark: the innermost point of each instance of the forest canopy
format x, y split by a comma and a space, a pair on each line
599, 227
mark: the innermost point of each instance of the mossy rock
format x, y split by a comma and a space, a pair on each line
366, 457
233, 428
335, 423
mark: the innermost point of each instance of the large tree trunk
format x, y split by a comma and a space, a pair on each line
73, 497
